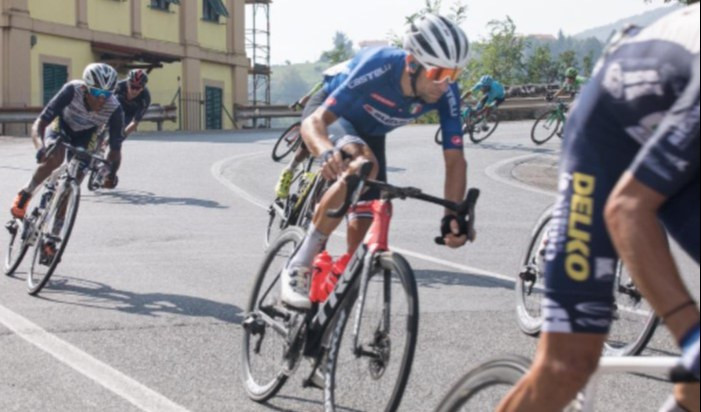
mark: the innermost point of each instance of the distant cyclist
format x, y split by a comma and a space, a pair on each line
572, 84
630, 161
78, 110
492, 95
362, 100
299, 104
135, 99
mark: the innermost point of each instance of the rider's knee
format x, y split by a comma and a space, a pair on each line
55, 159
571, 371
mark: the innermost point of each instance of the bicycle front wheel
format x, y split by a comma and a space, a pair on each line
545, 127
16, 247
288, 141
634, 320
265, 364
372, 346
481, 132
53, 237
530, 283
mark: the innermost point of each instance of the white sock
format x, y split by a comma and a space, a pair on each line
311, 246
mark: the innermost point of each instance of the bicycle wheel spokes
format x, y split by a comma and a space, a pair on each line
16, 246
545, 127
53, 238
265, 366
287, 142
634, 320
377, 361
530, 287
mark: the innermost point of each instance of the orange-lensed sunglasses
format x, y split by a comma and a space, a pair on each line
441, 74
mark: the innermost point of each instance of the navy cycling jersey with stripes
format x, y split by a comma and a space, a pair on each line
135, 109
639, 113
366, 91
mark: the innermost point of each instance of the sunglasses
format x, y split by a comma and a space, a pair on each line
97, 93
442, 74
135, 87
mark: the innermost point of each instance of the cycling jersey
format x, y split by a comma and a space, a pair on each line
575, 86
366, 91
77, 121
135, 109
639, 113
494, 94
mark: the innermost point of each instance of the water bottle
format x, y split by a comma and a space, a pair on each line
321, 269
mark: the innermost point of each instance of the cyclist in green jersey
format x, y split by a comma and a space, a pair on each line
573, 82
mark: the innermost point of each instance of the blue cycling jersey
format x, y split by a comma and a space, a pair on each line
496, 91
366, 92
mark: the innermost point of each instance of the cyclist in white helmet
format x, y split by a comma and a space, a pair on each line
78, 110
362, 100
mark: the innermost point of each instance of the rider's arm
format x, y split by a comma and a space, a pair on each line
55, 106
145, 103
666, 165
116, 128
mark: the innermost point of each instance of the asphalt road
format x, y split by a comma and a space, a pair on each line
144, 311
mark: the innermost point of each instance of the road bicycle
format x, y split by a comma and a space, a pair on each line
486, 385
550, 123
288, 142
477, 126
298, 208
45, 231
634, 320
360, 342
98, 175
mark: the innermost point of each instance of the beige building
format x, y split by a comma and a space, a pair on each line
194, 48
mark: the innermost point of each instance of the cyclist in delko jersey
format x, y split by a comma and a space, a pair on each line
493, 95
374, 93
630, 161
78, 110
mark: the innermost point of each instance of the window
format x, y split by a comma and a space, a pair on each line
163, 4
54, 76
213, 9
213, 107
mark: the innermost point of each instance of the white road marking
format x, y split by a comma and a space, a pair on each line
101, 373
217, 172
492, 172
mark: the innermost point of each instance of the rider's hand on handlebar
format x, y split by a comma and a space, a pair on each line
332, 165
453, 230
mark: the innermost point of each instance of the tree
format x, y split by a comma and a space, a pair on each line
588, 64
502, 54
540, 67
342, 49
567, 59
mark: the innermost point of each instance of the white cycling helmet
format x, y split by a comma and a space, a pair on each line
100, 76
437, 42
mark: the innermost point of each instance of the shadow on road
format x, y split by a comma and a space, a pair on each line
139, 198
433, 278
80, 292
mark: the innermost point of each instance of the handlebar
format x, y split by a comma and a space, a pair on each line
79, 152
357, 182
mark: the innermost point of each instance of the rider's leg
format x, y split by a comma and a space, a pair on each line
563, 361
44, 170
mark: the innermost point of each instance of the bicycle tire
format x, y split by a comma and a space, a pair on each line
543, 118
93, 181
505, 371
16, 247
528, 312
639, 317
477, 138
283, 146
438, 138
306, 212
72, 195
338, 368
260, 392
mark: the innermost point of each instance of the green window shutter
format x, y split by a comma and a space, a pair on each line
213, 9
54, 77
213, 107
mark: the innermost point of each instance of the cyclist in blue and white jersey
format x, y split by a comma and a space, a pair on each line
630, 161
363, 100
78, 110
493, 95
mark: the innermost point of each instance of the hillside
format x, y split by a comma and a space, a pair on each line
604, 32
290, 82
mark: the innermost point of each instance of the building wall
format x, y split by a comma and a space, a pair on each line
211, 35
163, 85
57, 11
219, 75
159, 24
52, 49
111, 16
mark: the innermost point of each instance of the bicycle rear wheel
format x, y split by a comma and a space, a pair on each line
477, 132
288, 142
545, 127
16, 247
265, 365
634, 320
374, 373
54, 233
483, 388
530, 283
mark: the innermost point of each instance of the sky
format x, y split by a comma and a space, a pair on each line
302, 29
